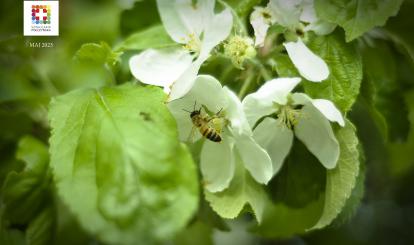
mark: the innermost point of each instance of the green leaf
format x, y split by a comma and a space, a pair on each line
380, 76
354, 201
118, 164
301, 179
14, 124
368, 100
397, 28
243, 7
197, 232
284, 66
401, 152
243, 189
208, 216
286, 217
42, 229
283, 221
25, 193
379, 63
34, 153
92, 21
145, 10
99, 54
152, 37
296, 195
345, 65
382, 88
341, 180
68, 229
357, 16
11, 237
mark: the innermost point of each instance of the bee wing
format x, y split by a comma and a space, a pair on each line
191, 135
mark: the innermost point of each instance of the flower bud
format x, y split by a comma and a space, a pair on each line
238, 49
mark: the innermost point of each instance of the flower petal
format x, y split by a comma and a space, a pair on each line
276, 90
208, 91
276, 139
261, 102
309, 65
195, 16
159, 67
182, 17
235, 114
186, 130
217, 164
201, 94
321, 27
328, 109
286, 12
301, 99
308, 15
216, 31
255, 110
255, 158
172, 21
260, 25
185, 82
314, 130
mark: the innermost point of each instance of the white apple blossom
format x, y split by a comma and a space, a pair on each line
198, 29
284, 114
293, 15
217, 159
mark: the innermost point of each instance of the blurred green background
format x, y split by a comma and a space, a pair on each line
30, 76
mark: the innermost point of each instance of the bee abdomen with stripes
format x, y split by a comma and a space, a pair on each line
210, 133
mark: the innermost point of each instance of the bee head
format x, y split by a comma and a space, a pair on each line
195, 113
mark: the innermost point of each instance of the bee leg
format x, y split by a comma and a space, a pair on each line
218, 113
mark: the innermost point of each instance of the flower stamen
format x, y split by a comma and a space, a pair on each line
289, 116
193, 44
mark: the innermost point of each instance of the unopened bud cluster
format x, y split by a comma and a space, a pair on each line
238, 49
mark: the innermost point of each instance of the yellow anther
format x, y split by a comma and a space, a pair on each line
193, 44
289, 116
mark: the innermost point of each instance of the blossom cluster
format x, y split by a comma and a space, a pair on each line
259, 129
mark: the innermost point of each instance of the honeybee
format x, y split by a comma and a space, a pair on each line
208, 126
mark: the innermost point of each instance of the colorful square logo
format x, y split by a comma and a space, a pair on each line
41, 14
41, 18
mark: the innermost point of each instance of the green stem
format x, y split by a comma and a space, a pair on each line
245, 6
246, 86
263, 72
226, 73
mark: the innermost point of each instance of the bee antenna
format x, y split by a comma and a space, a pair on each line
195, 103
187, 111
